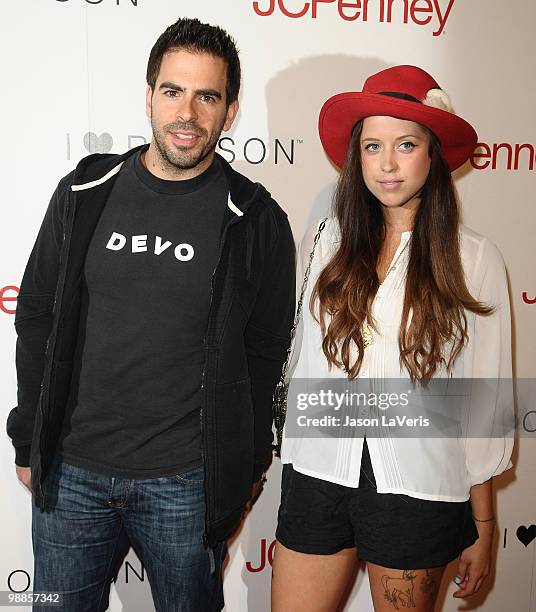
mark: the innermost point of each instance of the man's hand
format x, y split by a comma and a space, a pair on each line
256, 490
24, 474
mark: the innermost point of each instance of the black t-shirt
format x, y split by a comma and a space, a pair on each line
148, 273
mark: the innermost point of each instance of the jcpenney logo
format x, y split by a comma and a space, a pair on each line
266, 556
431, 13
116, 2
253, 150
503, 156
8, 299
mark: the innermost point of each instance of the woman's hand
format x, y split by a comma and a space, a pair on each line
475, 562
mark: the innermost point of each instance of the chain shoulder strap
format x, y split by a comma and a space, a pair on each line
300, 300
281, 390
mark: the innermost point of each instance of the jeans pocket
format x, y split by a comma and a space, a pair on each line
195, 476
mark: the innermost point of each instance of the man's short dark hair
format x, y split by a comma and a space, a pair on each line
197, 37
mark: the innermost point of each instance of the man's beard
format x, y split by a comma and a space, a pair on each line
174, 157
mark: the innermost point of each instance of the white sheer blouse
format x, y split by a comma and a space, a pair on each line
438, 468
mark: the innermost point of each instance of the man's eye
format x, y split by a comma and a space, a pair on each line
208, 99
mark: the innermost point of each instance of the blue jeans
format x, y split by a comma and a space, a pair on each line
80, 540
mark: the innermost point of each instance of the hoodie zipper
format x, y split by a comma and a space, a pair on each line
204, 446
58, 296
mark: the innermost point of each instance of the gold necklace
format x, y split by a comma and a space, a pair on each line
367, 332
368, 335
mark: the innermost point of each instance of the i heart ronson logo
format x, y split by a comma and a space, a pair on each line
253, 150
98, 144
526, 534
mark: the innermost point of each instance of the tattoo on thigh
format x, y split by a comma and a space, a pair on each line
399, 591
428, 584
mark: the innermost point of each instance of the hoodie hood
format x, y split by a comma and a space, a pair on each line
96, 169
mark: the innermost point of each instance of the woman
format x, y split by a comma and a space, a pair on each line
397, 288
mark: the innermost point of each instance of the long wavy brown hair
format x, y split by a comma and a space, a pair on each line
436, 293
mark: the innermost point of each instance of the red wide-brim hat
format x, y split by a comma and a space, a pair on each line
404, 92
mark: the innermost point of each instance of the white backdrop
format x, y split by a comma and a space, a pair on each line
74, 83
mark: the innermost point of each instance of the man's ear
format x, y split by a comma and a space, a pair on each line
232, 111
149, 101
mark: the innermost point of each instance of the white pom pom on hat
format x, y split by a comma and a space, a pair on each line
437, 98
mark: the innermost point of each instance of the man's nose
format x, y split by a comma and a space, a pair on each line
187, 109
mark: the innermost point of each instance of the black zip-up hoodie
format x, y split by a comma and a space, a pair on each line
247, 334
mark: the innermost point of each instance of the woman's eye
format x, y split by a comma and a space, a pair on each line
372, 146
407, 146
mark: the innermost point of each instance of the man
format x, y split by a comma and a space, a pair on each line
153, 320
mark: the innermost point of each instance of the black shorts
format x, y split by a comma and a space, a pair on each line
392, 530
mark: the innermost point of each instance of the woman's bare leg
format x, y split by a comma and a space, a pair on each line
310, 583
412, 589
